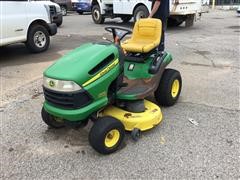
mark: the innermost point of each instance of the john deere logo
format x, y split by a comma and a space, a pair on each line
51, 83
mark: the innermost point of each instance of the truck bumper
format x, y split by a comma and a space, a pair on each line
57, 19
52, 29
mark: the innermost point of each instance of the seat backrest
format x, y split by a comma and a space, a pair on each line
147, 29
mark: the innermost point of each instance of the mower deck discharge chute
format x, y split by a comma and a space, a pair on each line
108, 83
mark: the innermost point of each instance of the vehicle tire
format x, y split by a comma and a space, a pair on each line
189, 20
51, 121
38, 39
96, 15
136, 134
169, 88
106, 135
64, 10
140, 12
59, 23
174, 22
126, 18
80, 12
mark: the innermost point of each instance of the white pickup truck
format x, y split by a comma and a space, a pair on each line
29, 22
180, 10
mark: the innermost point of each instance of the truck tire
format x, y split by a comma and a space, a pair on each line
59, 23
174, 22
96, 15
189, 20
126, 18
140, 12
64, 10
38, 39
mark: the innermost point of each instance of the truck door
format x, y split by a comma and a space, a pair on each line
117, 6
13, 20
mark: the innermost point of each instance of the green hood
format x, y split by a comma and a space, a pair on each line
75, 66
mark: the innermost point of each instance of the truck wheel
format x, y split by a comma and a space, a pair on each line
96, 15
174, 22
126, 18
37, 39
59, 23
169, 88
106, 135
64, 10
51, 121
189, 20
140, 12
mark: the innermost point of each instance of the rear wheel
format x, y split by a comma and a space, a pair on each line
126, 18
169, 88
140, 12
96, 15
64, 10
80, 12
106, 135
174, 22
51, 121
37, 39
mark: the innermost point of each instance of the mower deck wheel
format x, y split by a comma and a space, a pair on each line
106, 135
136, 134
51, 121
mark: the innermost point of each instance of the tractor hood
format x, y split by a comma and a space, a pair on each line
76, 65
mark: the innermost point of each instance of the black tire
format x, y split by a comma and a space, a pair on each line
64, 10
59, 23
50, 120
126, 18
96, 15
136, 134
80, 12
103, 128
37, 31
165, 95
140, 12
174, 22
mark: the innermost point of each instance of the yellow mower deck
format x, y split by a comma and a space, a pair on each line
143, 121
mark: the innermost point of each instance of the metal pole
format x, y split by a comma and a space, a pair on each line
213, 4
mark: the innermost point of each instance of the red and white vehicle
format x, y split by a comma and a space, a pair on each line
180, 10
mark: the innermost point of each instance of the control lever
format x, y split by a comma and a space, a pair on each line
106, 39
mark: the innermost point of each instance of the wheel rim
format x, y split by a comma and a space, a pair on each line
112, 138
64, 11
96, 14
140, 15
40, 39
175, 88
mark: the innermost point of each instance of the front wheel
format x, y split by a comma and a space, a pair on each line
38, 39
96, 15
140, 12
169, 88
51, 121
64, 10
106, 135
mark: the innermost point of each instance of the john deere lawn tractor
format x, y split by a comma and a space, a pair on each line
107, 82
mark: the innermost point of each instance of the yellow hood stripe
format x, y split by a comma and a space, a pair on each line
101, 73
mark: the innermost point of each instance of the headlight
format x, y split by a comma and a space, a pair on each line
60, 85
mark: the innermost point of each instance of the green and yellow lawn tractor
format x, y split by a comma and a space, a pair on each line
108, 82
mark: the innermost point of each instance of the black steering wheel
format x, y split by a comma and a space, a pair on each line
118, 32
